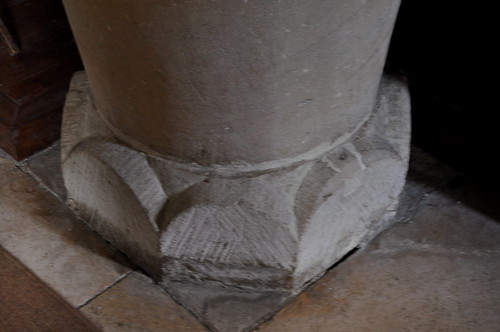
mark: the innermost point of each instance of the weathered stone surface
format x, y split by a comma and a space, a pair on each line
439, 272
452, 250
260, 228
137, 304
233, 82
238, 142
48, 238
82, 121
111, 186
399, 292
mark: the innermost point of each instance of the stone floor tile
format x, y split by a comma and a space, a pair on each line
137, 304
438, 272
45, 235
403, 291
226, 309
46, 168
444, 224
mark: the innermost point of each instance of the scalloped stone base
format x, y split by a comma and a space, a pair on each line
261, 229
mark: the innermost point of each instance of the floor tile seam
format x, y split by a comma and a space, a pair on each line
188, 309
38, 153
7, 157
40, 182
270, 316
23, 165
437, 250
105, 289
26, 169
352, 255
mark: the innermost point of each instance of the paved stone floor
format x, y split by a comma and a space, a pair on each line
436, 269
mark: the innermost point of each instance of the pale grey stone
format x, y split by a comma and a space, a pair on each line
238, 82
437, 272
260, 228
250, 149
407, 290
47, 237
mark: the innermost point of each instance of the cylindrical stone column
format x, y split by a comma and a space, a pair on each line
222, 139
